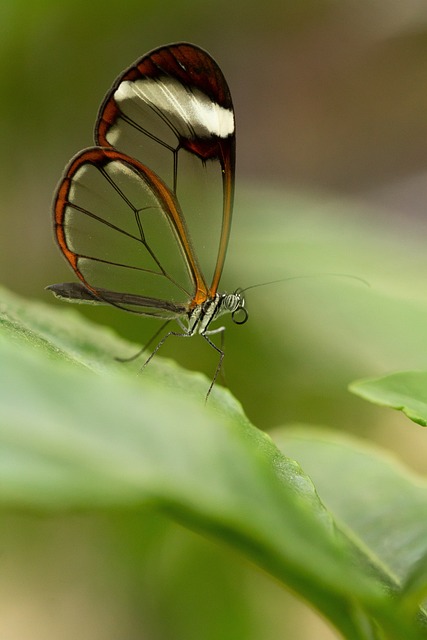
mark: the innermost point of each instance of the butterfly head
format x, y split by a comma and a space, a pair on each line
234, 303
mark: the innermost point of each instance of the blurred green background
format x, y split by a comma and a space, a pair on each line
331, 104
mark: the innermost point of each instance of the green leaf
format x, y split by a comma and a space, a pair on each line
79, 430
404, 391
414, 588
373, 496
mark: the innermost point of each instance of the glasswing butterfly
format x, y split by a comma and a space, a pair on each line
144, 217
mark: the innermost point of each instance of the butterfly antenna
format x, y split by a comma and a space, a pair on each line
310, 275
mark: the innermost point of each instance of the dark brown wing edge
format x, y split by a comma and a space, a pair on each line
78, 292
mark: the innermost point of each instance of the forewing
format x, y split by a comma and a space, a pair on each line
121, 229
172, 110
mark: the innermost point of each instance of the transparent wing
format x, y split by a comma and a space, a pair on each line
121, 229
172, 110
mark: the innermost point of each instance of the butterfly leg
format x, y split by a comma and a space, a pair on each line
184, 334
145, 347
206, 335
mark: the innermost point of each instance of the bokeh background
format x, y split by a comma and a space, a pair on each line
331, 104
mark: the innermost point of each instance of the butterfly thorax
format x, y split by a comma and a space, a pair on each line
200, 318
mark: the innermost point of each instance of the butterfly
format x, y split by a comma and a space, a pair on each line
143, 217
